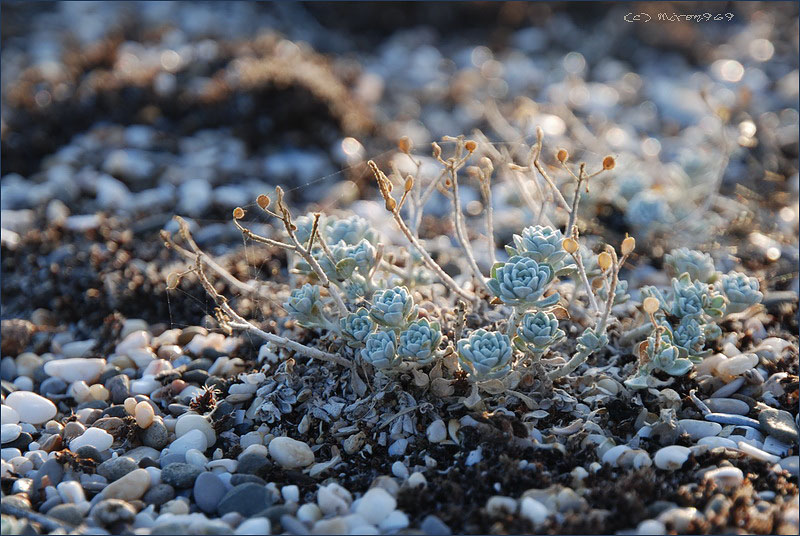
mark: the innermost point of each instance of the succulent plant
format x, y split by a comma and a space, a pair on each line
620, 294
485, 354
393, 307
344, 260
693, 298
349, 230
356, 326
380, 349
647, 211
742, 291
542, 244
699, 266
589, 342
537, 332
690, 338
303, 225
304, 305
521, 281
420, 340
662, 354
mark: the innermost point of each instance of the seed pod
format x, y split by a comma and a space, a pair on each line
604, 261
486, 163
409, 183
597, 282
609, 163
263, 201
650, 305
404, 144
562, 155
628, 245
470, 146
238, 213
173, 279
391, 204
570, 245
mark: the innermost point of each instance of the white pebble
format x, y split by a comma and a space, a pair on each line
195, 457
144, 385
142, 357
416, 479
155, 475
23, 383
651, 526
144, 414
498, 505
671, 457
21, 465
75, 369
290, 453
133, 341
398, 448
71, 492
333, 499
376, 505
395, 521
193, 439
9, 432
714, 442
190, 421
8, 415
8, 452
436, 431
533, 511
613, 454
256, 525
290, 493
400, 470
309, 513
223, 465
737, 365
726, 477
96, 437
699, 429
251, 438
76, 350
757, 453
30, 407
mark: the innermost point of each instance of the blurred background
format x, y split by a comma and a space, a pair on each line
118, 115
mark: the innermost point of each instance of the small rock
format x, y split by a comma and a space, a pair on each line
699, 429
208, 491
375, 505
111, 511
251, 463
10, 432
75, 369
95, 437
726, 477
180, 475
791, 464
193, 439
159, 494
156, 435
398, 448
651, 526
9, 415
779, 424
256, 525
395, 521
728, 405
434, 526
290, 453
115, 468
119, 387
190, 421
533, 511
245, 499
144, 414
30, 407
68, 513
671, 457
436, 431
130, 487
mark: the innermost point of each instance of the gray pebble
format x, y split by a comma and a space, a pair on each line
110, 511
275, 512
779, 424
252, 463
171, 458
156, 435
239, 478
728, 389
180, 475
434, 526
88, 451
727, 418
53, 470
116, 468
67, 513
791, 464
292, 525
119, 388
728, 405
208, 491
52, 386
245, 499
159, 494
8, 369
21, 442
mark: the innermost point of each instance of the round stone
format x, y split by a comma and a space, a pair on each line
290, 453
180, 475
191, 421
533, 511
30, 407
245, 499
671, 457
208, 491
94, 437
10, 432
436, 431
779, 424
159, 494
251, 463
116, 468
375, 505
9, 415
144, 413
130, 487
726, 477
75, 369
699, 429
156, 435
737, 365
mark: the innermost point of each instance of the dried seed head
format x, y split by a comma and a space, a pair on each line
486, 163
409, 183
470, 146
597, 282
391, 204
570, 245
562, 155
238, 213
173, 279
604, 261
404, 144
437, 151
650, 305
609, 163
628, 245
263, 201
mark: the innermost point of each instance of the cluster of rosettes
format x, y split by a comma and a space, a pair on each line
537, 332
699, 266
485, 354
689, 299
521, 282
305, 307
648, 211
740, 290
542, 244
660, 353
333, 230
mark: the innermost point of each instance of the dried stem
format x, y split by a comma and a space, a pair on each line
538, 165
461, 236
